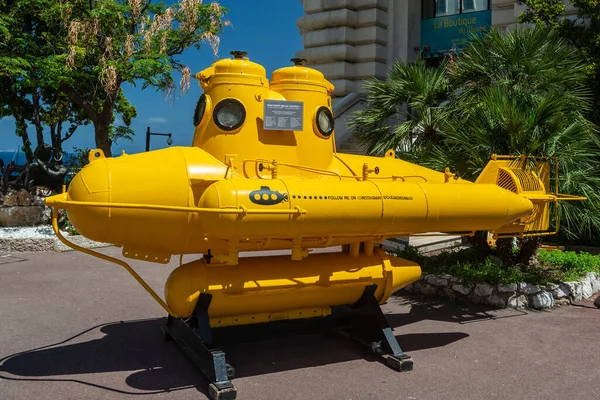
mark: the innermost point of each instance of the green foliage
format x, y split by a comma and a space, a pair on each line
412, 93
570, 265
525, 92
555, 266
65, 62
583, 31
511, 93
541, 12
64, 224
128, 41
26, 75
466, 265
78, 159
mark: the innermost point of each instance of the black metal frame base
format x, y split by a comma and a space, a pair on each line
362, 321
195, 338
369, 327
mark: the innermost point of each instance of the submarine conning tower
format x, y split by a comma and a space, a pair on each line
242, 117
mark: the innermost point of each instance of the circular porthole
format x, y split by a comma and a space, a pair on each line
200, 110
324, 122
229, 114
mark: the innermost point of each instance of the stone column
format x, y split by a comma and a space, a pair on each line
346, 40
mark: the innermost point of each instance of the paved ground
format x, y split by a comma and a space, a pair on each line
77, 328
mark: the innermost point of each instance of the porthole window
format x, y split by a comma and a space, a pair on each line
324, 122
200, 110
229, 114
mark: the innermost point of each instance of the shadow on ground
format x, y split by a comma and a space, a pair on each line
438, 309
9, 259
159, 366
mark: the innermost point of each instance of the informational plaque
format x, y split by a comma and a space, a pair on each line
283, 115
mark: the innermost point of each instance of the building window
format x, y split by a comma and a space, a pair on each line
442, 8
474, 5
447, 7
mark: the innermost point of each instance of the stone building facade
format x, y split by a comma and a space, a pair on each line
353, 40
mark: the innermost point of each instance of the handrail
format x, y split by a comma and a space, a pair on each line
300, 167
323, 171
236, 211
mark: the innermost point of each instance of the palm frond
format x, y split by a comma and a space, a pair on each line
517, 92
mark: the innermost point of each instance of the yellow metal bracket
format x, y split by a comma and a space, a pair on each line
123, 264
388, 273
539, 195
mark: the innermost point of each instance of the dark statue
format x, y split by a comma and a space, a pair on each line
45, 171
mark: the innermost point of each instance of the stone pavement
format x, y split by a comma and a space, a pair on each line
74, 327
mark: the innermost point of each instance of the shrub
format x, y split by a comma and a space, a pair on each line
554, 266
570, 265
64, 224
75, 161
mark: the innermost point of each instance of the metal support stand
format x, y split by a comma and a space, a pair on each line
362, 321
195, 338
370, 328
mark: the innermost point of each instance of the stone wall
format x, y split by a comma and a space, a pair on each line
20, 208
353, 40
513, 295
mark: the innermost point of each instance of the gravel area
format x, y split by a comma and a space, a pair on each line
40, 238
30, 232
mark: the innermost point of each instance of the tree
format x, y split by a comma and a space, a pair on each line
583, 31
26, 76
412, 93
63, 64
520, 92
525, 92
13, 91
110, 42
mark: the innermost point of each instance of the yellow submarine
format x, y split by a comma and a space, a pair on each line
262, 174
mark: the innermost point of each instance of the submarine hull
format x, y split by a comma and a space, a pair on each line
263, 289
331, 211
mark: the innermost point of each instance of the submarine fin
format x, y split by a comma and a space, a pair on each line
530, 178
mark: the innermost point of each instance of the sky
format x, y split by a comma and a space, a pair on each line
266, 29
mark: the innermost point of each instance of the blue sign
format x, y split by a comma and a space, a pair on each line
450, 34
